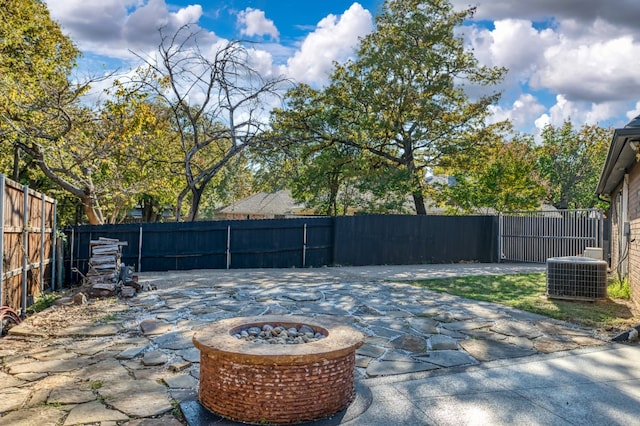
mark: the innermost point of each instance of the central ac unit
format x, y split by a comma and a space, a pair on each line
576, 278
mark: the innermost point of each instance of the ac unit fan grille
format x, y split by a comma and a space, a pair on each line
576, 278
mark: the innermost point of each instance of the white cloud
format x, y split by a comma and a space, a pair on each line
621, 13
115, 27
583, 60
541, 122
90, 21
633, 113
584, 52
255, 23
522, 112
598, 72
517, 45
334, 39
581, 113
513, 44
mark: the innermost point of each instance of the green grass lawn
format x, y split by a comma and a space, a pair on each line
528, 293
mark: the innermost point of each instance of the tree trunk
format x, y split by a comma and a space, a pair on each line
418, 195
418, 200
16, 164
196, 196
150, 209
90, 211
85, 193
334, 180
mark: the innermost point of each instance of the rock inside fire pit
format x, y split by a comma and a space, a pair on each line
279, 335
277, 383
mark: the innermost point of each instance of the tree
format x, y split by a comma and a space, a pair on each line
402, 100
138, 138
320, 172
571, 161
35, 56
234, 182
39, 105
501, 177
218, 104
37, 100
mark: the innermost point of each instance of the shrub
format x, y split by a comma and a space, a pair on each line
619, 289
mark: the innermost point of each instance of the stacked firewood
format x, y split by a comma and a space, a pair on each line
104, 266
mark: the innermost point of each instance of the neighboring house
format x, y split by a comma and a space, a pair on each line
263, 206
620, 185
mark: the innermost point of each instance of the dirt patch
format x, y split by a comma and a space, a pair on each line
64, 313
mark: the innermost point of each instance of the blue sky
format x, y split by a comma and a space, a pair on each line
572, 60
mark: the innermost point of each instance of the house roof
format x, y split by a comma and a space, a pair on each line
621, 157
262, 203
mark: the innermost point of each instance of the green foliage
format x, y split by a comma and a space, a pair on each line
40, 110
619, 289
137, 139
571, 160
501, 177
35, 54
394, 114
42, 302
108, 318
234, 182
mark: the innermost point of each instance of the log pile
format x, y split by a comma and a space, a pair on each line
108, 275
104, 266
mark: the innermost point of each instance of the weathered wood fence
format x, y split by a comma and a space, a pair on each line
27, 244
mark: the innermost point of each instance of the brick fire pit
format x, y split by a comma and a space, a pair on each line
276, 383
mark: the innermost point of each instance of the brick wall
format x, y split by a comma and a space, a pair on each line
632, 258
234, 387
279, 383
634, 245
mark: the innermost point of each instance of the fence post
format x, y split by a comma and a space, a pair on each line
42, 225
2, 183
25, 249
54, 245
500, 237
71, 248
228, 246
601, 230
304, 245
140, 251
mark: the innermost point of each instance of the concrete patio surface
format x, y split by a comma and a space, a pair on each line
429, 358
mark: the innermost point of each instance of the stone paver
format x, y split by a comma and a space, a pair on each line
91, 330
153, 326
70, 396
9, 381
385, 368
154, 358
133, 368
93, 412
448, 358
489, 350
41, 416
137, 398
441, 342
13, 399
183, 381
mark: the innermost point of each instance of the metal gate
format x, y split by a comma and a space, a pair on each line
535, 236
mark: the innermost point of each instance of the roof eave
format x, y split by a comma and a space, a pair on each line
620, 158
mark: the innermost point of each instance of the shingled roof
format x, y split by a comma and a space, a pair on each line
265, 204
